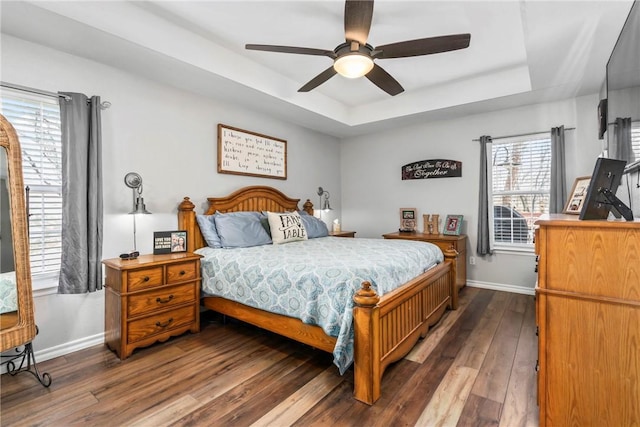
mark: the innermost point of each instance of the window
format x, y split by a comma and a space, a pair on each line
521, 176
635, 139
36, 119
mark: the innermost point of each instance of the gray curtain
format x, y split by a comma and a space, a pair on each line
558, 192
81, 270
484, 219
622, 145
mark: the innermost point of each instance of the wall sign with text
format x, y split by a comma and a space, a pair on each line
434, 168
242, 152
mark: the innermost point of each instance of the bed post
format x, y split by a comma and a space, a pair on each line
367, 363
451, 254
187, 221
308, 207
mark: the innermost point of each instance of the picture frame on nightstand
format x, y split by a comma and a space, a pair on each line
169, 242
408, 219
453, 225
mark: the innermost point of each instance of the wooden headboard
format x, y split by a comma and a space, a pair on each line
253, 198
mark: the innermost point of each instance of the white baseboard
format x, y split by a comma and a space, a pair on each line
69, 347
64, 349
502, 287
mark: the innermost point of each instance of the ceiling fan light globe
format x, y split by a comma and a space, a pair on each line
353, 65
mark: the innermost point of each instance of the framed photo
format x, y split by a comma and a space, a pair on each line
167, 242
408, 219
453, 225
577, 196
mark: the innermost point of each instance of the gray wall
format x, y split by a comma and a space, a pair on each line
169, 137
372, 189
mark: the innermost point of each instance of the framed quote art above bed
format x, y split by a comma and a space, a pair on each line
242, 152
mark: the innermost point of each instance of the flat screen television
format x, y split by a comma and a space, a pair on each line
601, 193
623, 81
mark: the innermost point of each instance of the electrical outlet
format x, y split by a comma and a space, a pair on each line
472, 260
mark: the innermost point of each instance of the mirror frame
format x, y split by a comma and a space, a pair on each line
25, 329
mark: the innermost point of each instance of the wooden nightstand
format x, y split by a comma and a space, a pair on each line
342, 233
150, 299
444, 242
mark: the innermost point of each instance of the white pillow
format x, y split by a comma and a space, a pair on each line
286, 227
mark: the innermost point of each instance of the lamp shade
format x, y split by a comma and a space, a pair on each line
353, 65
140, 207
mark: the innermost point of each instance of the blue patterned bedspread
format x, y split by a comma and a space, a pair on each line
315, 280
8, 292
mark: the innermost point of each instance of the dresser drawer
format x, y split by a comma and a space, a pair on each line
144, 279
181, 271
161, 323
161, 298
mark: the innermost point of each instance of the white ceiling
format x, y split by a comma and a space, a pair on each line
521, 52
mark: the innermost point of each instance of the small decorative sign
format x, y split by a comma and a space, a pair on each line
434, 168
166, 242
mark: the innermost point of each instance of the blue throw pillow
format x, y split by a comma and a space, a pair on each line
241, 229
315, 227
208, 229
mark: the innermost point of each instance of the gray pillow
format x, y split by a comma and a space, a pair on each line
241, 229
315, 227
208, 229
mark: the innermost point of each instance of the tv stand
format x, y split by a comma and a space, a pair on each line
616, 203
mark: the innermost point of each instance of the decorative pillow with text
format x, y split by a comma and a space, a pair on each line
286, 227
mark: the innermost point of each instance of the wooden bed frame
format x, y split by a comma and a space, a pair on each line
386, 328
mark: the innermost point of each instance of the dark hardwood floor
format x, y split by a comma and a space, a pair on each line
475, 368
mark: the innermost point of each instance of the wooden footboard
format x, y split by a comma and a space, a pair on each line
387, 328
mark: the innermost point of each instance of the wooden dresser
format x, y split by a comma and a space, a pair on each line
150, 299
588, 314
444, 242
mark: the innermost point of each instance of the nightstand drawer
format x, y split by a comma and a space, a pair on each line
181, 272
161, 298
148, 326
143, 279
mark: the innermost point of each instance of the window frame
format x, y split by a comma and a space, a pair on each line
501, 246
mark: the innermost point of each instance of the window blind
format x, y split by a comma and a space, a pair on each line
521, 176
36, 119
635, 139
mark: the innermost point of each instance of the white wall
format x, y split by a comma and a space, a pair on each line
372, 189
169, 137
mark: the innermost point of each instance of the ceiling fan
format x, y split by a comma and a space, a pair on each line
355, 57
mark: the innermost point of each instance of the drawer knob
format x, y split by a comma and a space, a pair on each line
146, 278
164, 301
182, 272
164, 325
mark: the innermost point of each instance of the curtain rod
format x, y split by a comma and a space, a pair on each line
522, 134
103, 105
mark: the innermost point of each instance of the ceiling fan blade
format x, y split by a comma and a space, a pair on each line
291, 49
357, 20
422, 46
319, 79
384, 81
